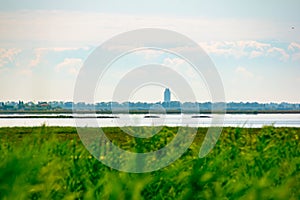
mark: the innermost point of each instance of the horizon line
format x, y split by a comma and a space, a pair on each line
121, 102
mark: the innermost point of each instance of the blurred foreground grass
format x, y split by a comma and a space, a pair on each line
52, 163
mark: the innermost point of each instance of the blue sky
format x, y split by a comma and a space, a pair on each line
255, 45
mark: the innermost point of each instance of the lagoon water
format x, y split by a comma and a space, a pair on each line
120, 120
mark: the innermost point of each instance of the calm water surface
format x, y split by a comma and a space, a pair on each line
192, 120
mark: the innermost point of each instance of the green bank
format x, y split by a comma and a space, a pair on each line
52, 163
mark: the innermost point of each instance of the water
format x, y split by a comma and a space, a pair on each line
230, 120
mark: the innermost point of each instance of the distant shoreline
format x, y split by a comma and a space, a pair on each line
144, 112
58, 116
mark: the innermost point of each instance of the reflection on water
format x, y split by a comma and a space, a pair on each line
122, 120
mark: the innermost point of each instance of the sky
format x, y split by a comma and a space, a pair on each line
254, 45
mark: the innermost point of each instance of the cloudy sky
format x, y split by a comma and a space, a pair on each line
255, 46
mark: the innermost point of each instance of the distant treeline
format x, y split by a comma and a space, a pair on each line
144, 107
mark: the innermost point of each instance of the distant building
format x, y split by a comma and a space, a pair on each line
167, 95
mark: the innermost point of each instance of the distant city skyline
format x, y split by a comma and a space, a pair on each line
255, 46
167, 95
173, 106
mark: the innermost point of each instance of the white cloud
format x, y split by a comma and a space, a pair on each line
244, 72
181, 67
294, 46
149, 54
82, 28
40, 52
237, 38
256, 54
23, 61
61, 49
174, 62
73, 28
254, 45
248, 49
72, 65
278, 52
295, 51
38, 56
235, 48
8, 55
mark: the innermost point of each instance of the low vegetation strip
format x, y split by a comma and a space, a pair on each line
56, 116
247, 163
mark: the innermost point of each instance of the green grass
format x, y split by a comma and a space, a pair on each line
52, 163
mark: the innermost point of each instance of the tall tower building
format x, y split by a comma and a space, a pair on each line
167, 95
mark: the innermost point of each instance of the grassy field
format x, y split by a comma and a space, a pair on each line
52, 163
